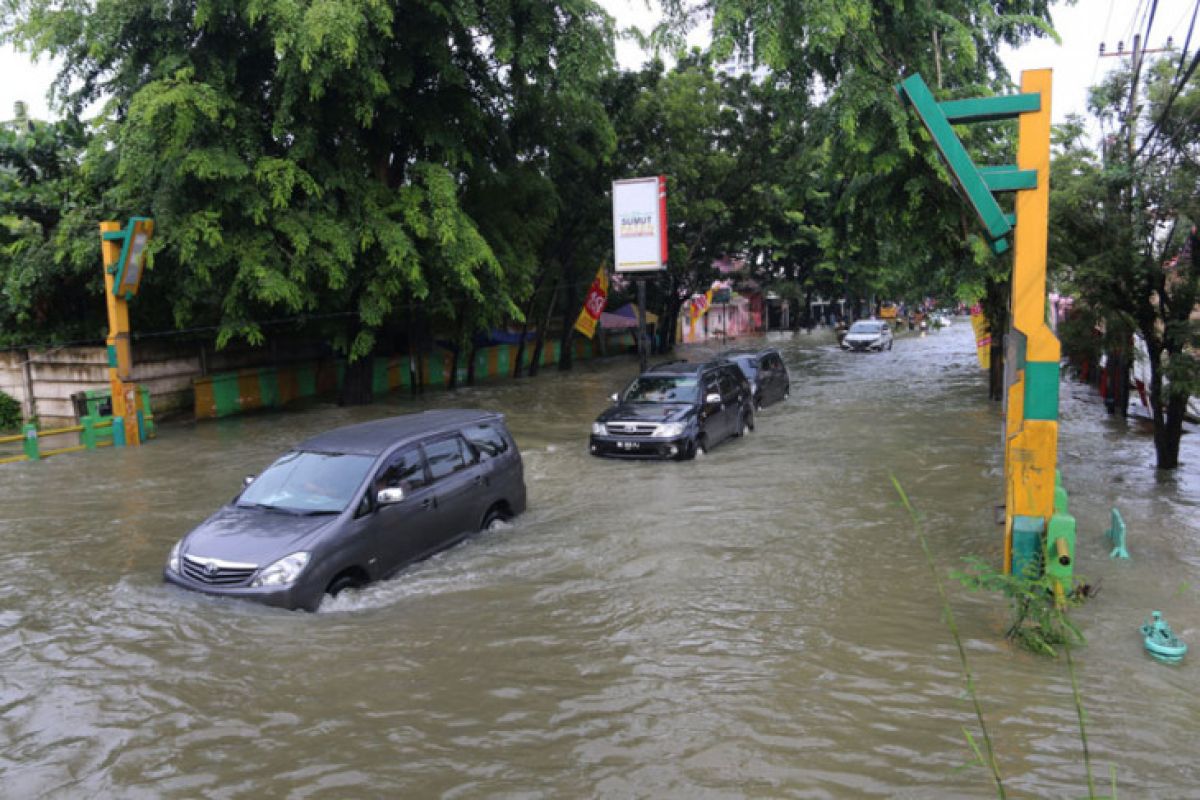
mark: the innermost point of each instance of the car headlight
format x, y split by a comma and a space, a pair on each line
669, 429
173, 559
283, 571
599, 429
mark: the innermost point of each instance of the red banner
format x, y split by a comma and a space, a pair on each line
597, 296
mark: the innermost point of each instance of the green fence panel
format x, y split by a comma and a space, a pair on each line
225, 394
268, 386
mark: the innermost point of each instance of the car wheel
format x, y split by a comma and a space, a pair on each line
341, 583
701, 446
495, 518
889, 345
688, 452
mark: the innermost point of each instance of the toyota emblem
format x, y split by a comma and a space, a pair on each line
210, 569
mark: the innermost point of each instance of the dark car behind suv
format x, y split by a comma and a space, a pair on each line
768, 376
353, 505
675, 410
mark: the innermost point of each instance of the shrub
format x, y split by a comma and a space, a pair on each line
10, 413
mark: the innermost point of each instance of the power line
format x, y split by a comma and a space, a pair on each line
1188, 40
1170, 100
1107, 21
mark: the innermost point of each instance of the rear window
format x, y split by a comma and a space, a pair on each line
489, 441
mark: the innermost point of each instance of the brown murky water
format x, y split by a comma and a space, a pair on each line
759, 623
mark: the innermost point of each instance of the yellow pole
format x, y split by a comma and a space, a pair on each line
125, 396
1031, 398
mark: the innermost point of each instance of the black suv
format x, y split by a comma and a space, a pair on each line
769, 380
675, 410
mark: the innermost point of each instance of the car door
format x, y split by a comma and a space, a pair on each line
714, 418
495, 467
773, 366
457, 483
401, 532
733, 395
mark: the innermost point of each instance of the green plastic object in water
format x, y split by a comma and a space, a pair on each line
1116, 535
1026, 546
1161, 642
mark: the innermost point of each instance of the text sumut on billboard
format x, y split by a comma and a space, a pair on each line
640, 224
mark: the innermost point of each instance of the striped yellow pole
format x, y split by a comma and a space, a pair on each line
125, 395
1031, 397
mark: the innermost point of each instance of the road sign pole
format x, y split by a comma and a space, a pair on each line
120, 358
123, 253
643, 356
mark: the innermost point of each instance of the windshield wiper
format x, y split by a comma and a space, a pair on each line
267, 507
319, 512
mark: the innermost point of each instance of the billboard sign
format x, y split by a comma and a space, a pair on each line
640, 224
134, 238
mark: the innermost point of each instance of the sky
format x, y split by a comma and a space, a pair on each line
1076, 62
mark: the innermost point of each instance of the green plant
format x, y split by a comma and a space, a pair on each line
1038, 624
10, 412
948, 615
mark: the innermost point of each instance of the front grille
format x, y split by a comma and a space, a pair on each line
631, 428
215, 572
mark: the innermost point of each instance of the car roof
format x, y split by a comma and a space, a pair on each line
676, 368
378, 436
733, 354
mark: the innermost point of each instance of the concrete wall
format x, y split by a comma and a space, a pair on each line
13, 376
43, 380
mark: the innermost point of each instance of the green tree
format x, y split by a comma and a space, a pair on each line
894, 222
1123, 227
325, 157
49, 276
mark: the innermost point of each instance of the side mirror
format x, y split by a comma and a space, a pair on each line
387, 497
249, 479
616, 398
713, 399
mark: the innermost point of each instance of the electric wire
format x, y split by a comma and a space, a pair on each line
1107, 21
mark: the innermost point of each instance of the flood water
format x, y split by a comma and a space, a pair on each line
758, 623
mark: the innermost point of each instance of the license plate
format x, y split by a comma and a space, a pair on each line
628, 445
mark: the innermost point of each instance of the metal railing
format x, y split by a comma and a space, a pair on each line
93, 432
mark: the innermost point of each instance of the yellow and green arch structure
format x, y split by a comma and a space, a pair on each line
1039, 530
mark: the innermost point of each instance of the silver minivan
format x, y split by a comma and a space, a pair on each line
354, 505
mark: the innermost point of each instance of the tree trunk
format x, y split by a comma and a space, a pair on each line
539, 344
995, 309
566, 354
537, 284
472, 358
1168, 434
357, 383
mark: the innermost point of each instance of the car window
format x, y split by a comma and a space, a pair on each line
711, 385
487, 440
729, 385
748, 366
404, 470
445, 457
662, 389
316, 483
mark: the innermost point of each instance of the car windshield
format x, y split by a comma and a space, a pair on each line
865, 327
308, 483
748, 365
663, 389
